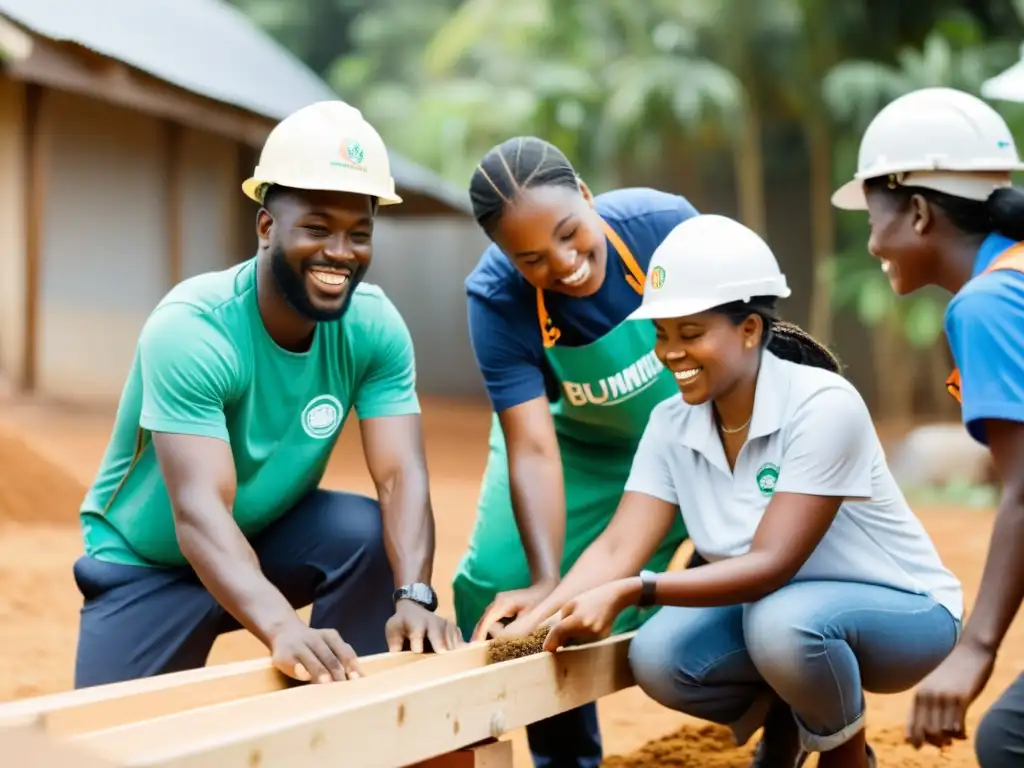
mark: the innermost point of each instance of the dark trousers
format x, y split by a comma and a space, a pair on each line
328, 550
999, 741
573, 738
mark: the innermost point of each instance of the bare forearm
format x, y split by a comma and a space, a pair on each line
229, 569
639, 525
409, 532
1002, 581
538, 503
741, 579
600, 563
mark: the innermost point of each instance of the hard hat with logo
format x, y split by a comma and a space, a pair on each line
938, 138
328, 145
706, 261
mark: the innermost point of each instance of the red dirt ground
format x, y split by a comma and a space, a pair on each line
42, 480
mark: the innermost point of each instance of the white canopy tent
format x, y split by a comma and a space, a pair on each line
1007, 85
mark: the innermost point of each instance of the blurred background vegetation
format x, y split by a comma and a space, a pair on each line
751, 108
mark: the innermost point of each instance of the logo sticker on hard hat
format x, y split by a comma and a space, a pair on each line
352, 155
657, 277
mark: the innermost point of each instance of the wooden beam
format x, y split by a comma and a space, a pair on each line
199, 724
106, 706
174, 209
35, 165
29, 747
492, 754
243, 210
397, 719
70, 67
15, 43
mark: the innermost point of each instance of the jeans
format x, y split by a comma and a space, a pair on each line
328, 550
816, 645
999, 741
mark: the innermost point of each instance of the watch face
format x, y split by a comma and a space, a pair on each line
420, 593
425, 594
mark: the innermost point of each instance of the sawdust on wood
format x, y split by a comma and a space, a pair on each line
508, 648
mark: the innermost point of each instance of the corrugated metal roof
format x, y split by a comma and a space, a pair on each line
207, 47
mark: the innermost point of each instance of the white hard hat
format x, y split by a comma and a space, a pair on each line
327, 146
707, 261
938, 138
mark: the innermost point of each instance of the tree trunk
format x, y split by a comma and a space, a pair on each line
680, 169
820, 40
748, 165
822, 225
748, 155
892, 360
880, 363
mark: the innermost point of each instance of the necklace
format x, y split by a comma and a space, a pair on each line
740, 428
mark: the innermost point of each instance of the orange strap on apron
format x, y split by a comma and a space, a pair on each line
635, 278
1011, 258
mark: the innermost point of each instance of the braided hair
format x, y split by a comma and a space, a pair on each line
509, 168
785, 340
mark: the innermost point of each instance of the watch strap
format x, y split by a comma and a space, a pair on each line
648, 587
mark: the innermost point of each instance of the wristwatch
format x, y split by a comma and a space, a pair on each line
647, 589
420, 593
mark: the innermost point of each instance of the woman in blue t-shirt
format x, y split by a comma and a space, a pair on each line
571, 385
934, 176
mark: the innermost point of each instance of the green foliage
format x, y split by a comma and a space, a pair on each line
955, 494
856, 89
636, 90
861, 286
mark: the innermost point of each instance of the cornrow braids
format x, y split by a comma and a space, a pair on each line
783, 339
789, 341
512, 166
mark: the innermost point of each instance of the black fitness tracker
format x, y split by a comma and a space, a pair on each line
647, 588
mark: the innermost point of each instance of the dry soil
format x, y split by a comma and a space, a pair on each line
48, 455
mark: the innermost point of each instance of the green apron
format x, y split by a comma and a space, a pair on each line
609, 388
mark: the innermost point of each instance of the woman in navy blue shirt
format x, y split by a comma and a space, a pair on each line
571, 384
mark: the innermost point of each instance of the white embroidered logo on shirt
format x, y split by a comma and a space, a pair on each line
767, 477
322, 416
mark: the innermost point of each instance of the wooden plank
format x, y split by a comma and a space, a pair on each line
207, 722
36, 169
174, 210
108, 706
29, 747
381, 722
14, 41
69, 67
492, 754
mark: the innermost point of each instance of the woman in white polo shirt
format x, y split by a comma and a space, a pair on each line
820, 582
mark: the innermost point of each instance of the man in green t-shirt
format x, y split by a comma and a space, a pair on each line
205, 515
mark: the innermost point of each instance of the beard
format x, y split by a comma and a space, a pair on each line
292, 285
